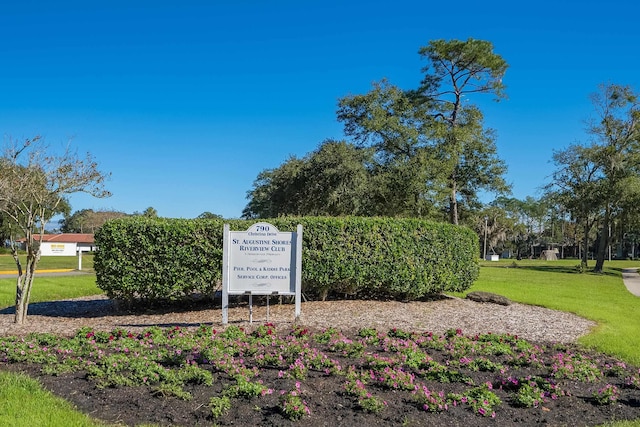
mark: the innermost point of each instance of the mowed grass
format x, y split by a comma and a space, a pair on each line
558, 285
50, 288
24, 403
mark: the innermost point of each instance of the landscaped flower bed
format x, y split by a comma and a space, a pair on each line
280, 377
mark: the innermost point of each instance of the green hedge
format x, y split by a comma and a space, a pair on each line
156, 259
151, 259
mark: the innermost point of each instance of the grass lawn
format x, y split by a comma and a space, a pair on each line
50, 288
558, 285
23, 403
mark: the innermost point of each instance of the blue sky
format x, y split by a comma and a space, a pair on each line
184, 103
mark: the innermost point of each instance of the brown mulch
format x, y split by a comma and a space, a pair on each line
437, 315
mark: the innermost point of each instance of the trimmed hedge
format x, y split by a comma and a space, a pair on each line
168, 259
158, 259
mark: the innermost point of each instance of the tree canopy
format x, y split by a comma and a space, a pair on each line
332, 180
419, 152
208, 215
87, 220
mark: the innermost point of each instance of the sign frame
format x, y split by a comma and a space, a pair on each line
261, 261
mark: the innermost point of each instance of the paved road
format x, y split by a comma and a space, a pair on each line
631, 280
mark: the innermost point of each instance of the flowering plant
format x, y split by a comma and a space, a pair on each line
292, 404
431, 402
171, 362
606, 395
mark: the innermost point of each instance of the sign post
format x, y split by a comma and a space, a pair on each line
261, 261
80, 250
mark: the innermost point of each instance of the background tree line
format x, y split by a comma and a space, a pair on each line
89, 220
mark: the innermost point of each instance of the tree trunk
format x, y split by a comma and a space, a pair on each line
23, 286
585, 245
453, 203
20, 311
24, 282
603, 242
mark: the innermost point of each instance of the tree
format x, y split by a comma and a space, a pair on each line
559, 229
150, 212
386, 118
616, 149
87, 220
629, 224
455, 70
431, 129
34, 186
405, 168
494, 228
275, 191
208, 215
576, 185
333, 180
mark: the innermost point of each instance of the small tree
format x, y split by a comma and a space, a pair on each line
34, 186
577, 186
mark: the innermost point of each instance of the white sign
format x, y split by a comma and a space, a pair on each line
261, 261
57, 249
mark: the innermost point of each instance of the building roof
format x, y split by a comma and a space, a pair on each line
68, 238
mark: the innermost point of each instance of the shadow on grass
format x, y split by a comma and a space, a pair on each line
565, 269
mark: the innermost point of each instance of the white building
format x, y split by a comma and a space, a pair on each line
66, 244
